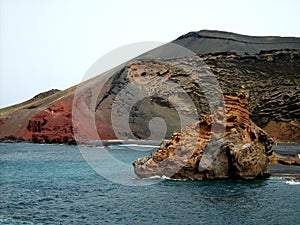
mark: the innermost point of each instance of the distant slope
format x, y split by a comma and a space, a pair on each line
208, 41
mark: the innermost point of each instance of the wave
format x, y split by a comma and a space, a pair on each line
292, 182
286, 180
139, 145
163, 177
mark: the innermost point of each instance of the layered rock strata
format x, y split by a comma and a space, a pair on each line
226, 144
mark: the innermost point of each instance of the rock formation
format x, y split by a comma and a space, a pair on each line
11, 139
217, 147
46, 118
268, 68
273, 87
276, 158
52, 125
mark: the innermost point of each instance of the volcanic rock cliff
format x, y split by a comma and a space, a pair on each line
268, 68
273, 81
217, 147
271, 78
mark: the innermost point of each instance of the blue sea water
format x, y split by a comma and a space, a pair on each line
53, 184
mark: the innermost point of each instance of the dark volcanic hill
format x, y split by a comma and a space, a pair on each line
207, 42
122, 103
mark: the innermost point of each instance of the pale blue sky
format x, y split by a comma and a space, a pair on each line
49, 44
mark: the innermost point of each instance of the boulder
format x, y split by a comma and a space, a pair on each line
223, 145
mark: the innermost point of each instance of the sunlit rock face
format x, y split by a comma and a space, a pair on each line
226, 144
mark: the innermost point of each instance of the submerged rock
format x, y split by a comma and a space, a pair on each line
226, 144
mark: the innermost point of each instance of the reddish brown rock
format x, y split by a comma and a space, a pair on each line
284, 131
52, 125
213, 148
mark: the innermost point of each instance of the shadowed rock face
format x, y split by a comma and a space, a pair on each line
272, 79
217, 147
270, 74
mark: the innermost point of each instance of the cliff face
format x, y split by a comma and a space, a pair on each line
272, 78
52, 125
257, 65
209, 149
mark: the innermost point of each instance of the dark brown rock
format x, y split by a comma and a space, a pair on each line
11, 139
273, 88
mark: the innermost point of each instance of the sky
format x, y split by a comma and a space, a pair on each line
46, 44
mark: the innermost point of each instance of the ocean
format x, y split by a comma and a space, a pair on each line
54, 184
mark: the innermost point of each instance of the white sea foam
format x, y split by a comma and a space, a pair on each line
137, 145
286, 180
292, 182
163, 177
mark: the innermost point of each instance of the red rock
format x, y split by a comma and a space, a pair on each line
52, 125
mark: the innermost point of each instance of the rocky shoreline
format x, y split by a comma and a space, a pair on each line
281, 163
267, 69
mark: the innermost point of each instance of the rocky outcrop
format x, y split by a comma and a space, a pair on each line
42, 96
217, 147
276, 158
52, 125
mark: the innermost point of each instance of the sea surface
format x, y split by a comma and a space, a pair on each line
54, 184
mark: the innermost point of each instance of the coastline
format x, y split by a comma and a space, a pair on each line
276, 170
